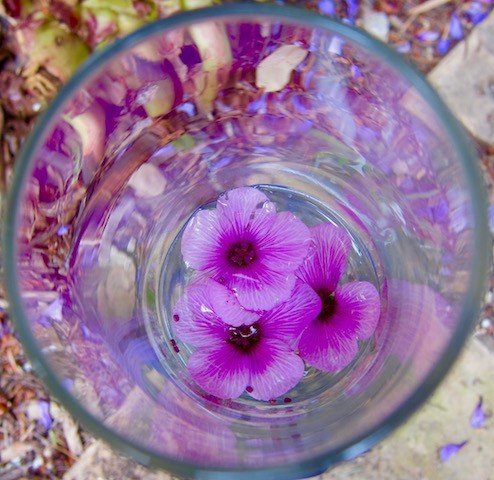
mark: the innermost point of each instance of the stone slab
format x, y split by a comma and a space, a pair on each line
465, 80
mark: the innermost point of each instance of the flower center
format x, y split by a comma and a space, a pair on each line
242, 254
244, 337
328, 305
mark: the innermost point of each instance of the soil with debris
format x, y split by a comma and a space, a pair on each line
38, 439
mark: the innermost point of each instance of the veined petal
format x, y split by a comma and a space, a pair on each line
226, 306
274, 369
288, 320
222, 371
194, 319
201, 241
205, 311
327, 257
326, 348
260, 289
285, 245
242, 208
357, 309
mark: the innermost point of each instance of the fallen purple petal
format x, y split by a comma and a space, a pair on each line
352, 8
327, 7
476, 12
63, 230
443, 46
455, 28
45, 418
478, 418
450, 449
404, 47
428, 36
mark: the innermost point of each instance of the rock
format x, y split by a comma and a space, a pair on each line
100, 462
273, 72
465, 80
117, 293
376, 23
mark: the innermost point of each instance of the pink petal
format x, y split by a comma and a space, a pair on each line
358, 309
261, 289
285, 245
274, 369
287, 321
239, 208
201, 241
194, 320
323, 346
222, 371
327, 258
225, 304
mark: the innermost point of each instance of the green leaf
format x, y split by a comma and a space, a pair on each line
57, 50
185, 142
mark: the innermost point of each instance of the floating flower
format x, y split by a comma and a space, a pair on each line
348, 312
237, 350
247, 246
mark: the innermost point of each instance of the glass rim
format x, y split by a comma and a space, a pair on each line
472, 299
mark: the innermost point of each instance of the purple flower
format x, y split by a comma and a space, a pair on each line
455, 28
238, 350
450, 449
348, 313
247, 246
477, 420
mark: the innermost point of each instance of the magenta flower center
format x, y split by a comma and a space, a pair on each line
245, 337
242, 254
328, 305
